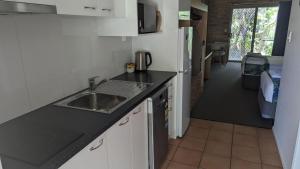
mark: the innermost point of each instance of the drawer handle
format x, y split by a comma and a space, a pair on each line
90, 7
106, 9
122, 124
137, 112
98, 146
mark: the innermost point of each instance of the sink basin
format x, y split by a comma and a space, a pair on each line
107, 97
98, 102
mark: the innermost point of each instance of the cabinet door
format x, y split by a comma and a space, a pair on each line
120, 144
78, 7
124, 22
140, 137
112, 8
106, 7
46, 2
94, 156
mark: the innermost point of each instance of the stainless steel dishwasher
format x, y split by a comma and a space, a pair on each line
158, 128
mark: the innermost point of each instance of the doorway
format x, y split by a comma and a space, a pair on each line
252, 30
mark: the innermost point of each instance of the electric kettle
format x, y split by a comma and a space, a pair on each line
142, 60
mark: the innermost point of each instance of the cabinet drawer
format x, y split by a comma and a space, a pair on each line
93, 156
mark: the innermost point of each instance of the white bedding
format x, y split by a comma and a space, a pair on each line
267, 86
266, 82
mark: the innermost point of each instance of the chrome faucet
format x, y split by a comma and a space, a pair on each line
92, 83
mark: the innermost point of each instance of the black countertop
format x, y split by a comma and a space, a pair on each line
23, 141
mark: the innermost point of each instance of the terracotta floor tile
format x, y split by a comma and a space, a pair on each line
187, 156
197, 132
223, 126
175, 142
245, 140
267, 146
201, 123
222, 136
193, 143
171, 152
246, 153
242, 164
270, 167
271, 159
174, 165
218, 148
245, 130
214, 162
165, 164
265, 133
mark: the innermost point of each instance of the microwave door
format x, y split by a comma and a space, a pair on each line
149, 19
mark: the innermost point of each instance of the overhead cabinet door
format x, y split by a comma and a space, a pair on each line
46, 2
78, 7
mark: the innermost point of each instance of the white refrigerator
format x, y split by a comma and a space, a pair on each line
184, 80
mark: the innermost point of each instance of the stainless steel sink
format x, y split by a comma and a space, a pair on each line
106, 98
98, 102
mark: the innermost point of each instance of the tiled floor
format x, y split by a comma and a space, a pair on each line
215, 145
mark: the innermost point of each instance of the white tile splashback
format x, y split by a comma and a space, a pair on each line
46, 57
13, 92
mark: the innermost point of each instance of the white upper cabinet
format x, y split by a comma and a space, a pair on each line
112, 8
94, 156
78, 7
104, 8
124, 22
46, 2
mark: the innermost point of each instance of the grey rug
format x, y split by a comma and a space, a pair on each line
225, 100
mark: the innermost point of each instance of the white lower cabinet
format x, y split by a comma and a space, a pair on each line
139, 129
94, 156
120, 144
123, 146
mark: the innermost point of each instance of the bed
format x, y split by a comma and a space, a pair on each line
269, 88
253, 64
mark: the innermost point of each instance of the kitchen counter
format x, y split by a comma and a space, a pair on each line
24, 141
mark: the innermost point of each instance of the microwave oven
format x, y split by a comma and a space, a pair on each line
146, 18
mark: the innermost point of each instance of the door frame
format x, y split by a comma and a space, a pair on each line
245, 5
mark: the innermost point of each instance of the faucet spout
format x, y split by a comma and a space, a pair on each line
92, 83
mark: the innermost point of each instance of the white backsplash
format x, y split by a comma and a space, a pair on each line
46, 57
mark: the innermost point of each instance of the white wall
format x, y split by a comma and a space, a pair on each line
288, 110
163, 45
46, 57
